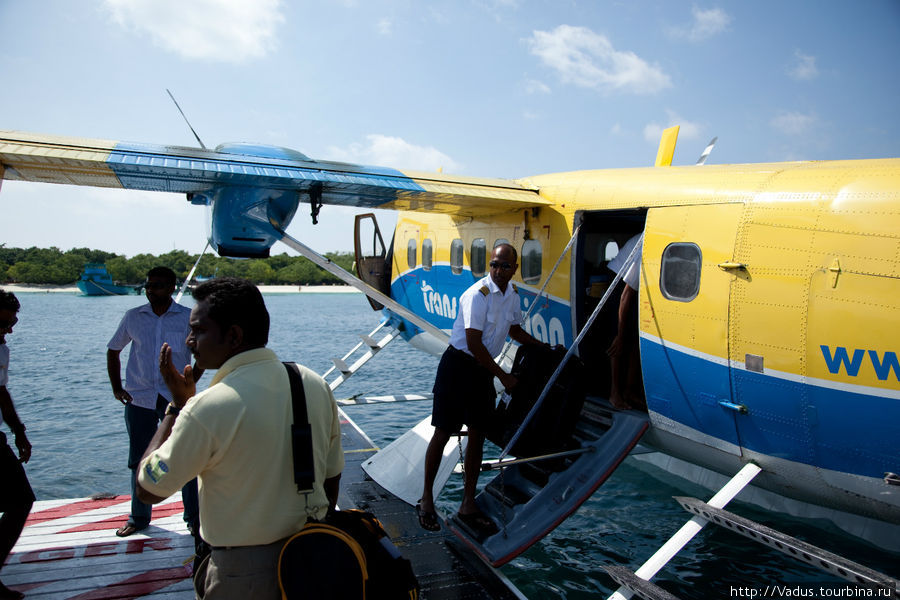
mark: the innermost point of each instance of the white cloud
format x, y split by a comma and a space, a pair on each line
803, 67
793, 123
217, 30
706, 24
396, 153
533, 86
688, 129
384, 26
588, 59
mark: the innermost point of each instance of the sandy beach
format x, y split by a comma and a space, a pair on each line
26, 288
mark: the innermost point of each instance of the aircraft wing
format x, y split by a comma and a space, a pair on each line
103, 163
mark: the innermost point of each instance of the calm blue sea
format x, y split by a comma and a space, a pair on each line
59, 384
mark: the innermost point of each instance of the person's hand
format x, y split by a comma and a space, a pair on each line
181, 385
122, 396
509, 381
24, 447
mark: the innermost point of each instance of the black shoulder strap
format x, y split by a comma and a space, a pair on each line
301, 433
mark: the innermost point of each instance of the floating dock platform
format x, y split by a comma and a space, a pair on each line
69, 549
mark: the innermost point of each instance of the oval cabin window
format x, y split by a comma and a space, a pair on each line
679, 277
427, 251
456, 256
532, 259
478, 257
411, 254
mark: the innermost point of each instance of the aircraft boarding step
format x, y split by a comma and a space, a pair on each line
636, 583
531, 495
366, 349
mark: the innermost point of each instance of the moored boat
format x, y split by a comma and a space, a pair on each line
95, 281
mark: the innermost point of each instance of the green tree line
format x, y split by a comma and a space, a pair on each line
54, 266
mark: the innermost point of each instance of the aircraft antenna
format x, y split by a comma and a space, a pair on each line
185, 119
706, 152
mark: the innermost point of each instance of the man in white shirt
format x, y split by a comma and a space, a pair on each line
464, 386
145, 396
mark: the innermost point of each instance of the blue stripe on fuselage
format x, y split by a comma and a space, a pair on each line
818, 425
434, 295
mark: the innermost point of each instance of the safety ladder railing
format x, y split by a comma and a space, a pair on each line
637, 583
366, 350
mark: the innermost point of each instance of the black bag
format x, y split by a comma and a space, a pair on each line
550, 429
347, 557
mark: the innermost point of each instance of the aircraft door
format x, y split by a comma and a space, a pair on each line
684, 320
372, 263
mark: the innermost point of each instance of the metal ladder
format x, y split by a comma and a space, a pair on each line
368, 347
636, 583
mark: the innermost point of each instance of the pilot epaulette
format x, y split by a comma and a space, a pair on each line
515, 289
485, 290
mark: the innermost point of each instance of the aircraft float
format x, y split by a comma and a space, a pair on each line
768, 306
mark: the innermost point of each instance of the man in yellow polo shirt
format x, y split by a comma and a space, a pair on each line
235, 436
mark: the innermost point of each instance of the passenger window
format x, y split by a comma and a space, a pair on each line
612, 248
532, 256
411, 253
679, 278
499, 241
426, 255
478, 257
456, 256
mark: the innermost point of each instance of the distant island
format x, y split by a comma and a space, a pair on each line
56, 267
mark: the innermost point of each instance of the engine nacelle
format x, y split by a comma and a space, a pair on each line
244, 222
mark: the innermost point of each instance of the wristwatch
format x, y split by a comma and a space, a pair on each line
173, 410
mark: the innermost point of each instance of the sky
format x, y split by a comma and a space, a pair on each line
494, 88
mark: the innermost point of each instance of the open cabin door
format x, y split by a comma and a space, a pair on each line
372, 261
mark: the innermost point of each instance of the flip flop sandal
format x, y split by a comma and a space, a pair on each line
479, 522
428, 520
128, 529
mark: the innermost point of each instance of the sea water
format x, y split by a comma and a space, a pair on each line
59, 384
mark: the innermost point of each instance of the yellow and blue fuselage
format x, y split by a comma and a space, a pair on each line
786, 351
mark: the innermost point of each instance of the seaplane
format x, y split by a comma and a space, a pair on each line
767, 308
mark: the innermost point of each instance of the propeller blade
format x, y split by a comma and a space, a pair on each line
708, 149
